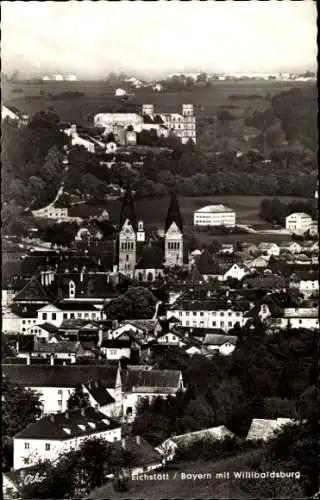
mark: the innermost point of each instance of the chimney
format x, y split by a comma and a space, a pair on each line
67, 415
28, 359
52, 418
138, 440
123, 443
83, 412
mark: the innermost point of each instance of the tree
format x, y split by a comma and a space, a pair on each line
78, 399
136, 303
19, 407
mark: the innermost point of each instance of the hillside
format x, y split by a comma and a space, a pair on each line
211, 486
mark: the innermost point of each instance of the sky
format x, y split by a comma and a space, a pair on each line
152, 39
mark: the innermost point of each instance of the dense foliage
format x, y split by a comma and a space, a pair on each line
20, 407
276, 211
135, 303
260, 380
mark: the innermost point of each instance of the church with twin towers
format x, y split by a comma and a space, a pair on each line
143, 255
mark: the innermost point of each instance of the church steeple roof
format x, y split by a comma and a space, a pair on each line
174, 214
128, 210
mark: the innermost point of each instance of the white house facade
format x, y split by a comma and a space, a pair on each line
298, 222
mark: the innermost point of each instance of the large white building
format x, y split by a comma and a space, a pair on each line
47, 438
214, 215
298, 222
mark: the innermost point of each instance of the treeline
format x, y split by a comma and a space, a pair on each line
275, 211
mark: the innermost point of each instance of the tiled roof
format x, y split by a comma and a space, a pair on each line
70, 305
33, 291
87, 285
264, 429
59, 376
99, 392
26, 310
147, 325
58, 347
212, 339
151, 258
52, 426
210, 305
158, 381
48, 327
213, 432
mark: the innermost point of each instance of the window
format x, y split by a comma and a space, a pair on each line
86, 315
54, 316
187, 323
113, 351
230, 323
26, 446
44, 316
222, 324
60, 392
194, 313
65, 315
214, 323
201, 313
187, 313
23, 321
59, 402
79, 315
26, 461
180, 313
222, 314
72, 315
47, 448
229, 314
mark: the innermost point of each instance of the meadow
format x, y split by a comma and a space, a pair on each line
32, 97
153, 211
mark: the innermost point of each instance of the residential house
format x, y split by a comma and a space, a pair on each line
210, 313
298, 223
295, 317
265, 429
55, 384
170, 446
54, 350
214, 215
52, 435
307, 282
267, 248
14, 115
292, 247
223, 344
147, 458
134, 385
57, 312
259, 263
145, 328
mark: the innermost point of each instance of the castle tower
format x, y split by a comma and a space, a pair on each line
127, 236
148, 109
189, 123
173, 234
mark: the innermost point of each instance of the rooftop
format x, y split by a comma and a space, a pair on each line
63, 426
214, 209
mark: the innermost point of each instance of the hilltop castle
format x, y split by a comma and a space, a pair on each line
181, 125
143, 256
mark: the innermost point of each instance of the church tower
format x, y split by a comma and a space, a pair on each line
173, 236
127, 236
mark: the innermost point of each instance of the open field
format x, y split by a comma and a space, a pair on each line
98, 97
153, 211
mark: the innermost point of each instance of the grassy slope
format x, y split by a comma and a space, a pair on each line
206, 488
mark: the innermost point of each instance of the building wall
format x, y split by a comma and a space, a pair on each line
214, 219
298, 222
225, 320
37, 447
225, 349
53, 399
51, 212
11, 323
56, 317
116, 353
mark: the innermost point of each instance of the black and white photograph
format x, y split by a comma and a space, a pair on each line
160, 250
